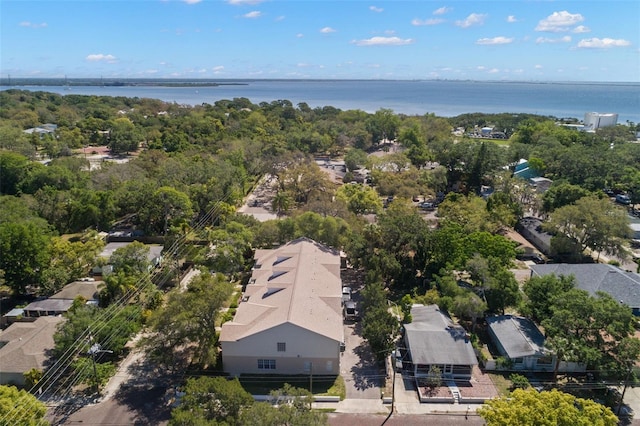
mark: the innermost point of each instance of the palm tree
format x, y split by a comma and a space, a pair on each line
281, 202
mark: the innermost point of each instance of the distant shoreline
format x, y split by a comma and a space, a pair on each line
163, 82
31, 82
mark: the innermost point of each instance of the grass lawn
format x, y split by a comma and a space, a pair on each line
501, 382
319, 385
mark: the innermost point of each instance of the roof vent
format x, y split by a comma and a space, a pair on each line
281, 259
276, 274
270, 291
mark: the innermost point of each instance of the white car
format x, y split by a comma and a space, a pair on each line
346, 294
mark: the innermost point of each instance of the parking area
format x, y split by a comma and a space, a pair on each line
363, 377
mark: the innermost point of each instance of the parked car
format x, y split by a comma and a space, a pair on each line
623, 199
428, 206
350, 311
346, 294
397, 359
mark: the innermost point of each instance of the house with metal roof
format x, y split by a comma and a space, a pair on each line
623, 286
25, 345
433, 340
290, 318
519, 340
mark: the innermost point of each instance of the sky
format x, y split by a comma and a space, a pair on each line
519, 40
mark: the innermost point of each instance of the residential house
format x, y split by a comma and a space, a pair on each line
25, 345
519, 340
433, 340
531, 229
623, 286
60, 302
290, 318
154, 256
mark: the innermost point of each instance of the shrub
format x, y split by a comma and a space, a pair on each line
518, 381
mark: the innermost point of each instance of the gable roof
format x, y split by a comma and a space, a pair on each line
26, 344
89, 290
434, 339
593, 277
518, 336
298, 283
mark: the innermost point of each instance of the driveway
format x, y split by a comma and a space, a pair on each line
363, 378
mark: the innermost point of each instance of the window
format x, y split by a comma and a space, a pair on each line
282, 346
266, 364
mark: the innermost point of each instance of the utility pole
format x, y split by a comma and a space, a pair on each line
624, 390
95, 349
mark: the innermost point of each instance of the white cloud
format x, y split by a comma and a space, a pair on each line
303, 65
32, 24
299, 35
580, 29
442, 10
420, 22
192, 1
602, 43
473, 19
375, 9
243, 2
100, 57
481, 67
493, 71
559, 21
218, 68
253, 14
495, 40
538, 66
511, 19
327, 30
383, 41
280, 18
565, 39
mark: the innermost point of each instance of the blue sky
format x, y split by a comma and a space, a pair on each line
357, 39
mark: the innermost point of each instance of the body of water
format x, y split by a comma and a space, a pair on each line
443, 98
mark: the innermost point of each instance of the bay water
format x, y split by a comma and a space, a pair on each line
445, 98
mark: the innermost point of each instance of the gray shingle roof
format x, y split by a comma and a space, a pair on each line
519, 337
27, 344
593, 277
434, 339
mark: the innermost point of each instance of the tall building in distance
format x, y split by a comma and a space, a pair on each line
596, 120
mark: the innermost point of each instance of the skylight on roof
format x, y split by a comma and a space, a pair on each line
276, 274
270, 291
281, 259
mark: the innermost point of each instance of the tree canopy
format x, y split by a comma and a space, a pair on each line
525, 407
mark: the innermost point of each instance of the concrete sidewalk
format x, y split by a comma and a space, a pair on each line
375, 406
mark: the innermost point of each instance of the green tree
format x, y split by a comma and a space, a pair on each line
19, 407
383, 125
211, 400
293, 407
131, 259
541, 293
184, 332
24, 253
560, 195
355, 158
13, 169
360, 199
123, 136
529, 407
593, 223
380, 326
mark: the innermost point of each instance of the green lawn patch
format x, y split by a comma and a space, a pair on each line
501, 382
338, 388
